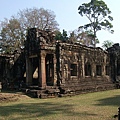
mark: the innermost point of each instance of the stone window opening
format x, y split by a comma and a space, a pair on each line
98, 70
118, 68
73, 69
87, 69
107, 70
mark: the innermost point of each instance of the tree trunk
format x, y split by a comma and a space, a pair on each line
94, 38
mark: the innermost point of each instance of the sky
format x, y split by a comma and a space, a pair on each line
66, 12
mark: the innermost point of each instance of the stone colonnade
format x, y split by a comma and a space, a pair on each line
41, 70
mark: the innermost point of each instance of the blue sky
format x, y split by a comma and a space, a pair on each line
66, 12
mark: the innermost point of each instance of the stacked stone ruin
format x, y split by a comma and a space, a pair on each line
51, 67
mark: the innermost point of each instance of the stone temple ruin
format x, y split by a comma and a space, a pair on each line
47, 68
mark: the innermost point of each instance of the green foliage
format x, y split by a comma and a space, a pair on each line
65, 36
61, 36
106, 44
58, 35
91, 37
98, 14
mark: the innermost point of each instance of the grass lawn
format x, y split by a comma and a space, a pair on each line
92, 106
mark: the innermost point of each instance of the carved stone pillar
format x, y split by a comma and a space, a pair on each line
42, 70
65, 75
93, 69
104, 66
29, 75
63, 72
55, 73
83, 65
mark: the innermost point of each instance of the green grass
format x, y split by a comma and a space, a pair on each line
92, 106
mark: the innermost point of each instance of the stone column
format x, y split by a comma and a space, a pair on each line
104, 66
64, 69
29, 75
42, 70
83, 65
55, 73
93, 69
115, 69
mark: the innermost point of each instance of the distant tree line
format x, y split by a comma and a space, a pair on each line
13, 31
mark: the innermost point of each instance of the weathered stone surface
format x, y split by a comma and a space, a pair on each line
74, 68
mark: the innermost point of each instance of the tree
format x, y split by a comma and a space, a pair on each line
13, 30
65, 36
11, 35
106, 44
73, 36
87, 38
61, 36
98, 14
38, 18
83, 37
58, 35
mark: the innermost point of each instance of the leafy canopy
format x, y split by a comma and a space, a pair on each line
98, 14
106, 44
61, 36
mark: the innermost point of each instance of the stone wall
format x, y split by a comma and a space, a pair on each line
83, 67
62, 64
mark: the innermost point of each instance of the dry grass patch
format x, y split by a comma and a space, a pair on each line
92, 106
11, 97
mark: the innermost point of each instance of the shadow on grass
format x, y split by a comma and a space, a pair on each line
36, 110
111, 101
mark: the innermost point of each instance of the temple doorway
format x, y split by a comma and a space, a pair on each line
49, 69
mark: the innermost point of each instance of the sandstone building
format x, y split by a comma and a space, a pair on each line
64, 66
